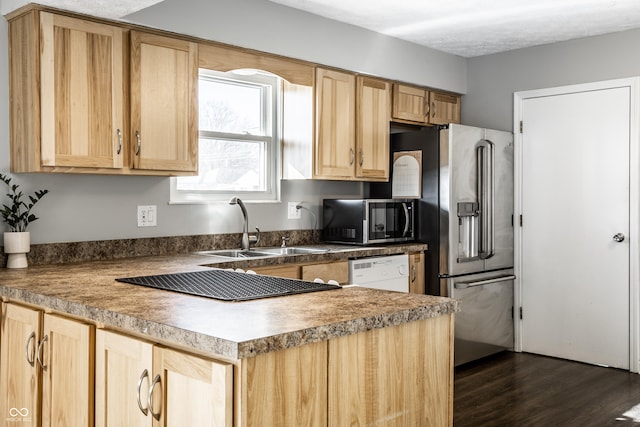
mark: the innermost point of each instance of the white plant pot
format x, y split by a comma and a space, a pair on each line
17, 245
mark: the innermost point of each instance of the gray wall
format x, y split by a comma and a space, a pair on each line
87, 207
492, 79
269, 27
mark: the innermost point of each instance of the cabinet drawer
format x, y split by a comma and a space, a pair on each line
338, 271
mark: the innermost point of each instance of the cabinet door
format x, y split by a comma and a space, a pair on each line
372, 137
335, 124
19, 374
286, 388
410, 103
67, 372
164, 122
194, 391
416, 273
372, 376
445, 108
123, 368
81, 93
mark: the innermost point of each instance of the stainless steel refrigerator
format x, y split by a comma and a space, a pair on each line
465, 215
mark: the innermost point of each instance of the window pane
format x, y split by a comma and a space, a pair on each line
228, 165
230, 107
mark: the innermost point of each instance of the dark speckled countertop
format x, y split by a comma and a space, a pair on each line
234, 330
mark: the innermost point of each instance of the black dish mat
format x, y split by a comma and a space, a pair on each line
227, 285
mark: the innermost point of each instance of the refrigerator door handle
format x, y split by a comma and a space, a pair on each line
405, 208
485, 179
465, 285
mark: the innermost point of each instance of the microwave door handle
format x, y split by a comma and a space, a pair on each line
406, 219
485, 179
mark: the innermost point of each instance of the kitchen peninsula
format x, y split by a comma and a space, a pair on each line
349, 356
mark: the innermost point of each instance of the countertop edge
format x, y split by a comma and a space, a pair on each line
84, 291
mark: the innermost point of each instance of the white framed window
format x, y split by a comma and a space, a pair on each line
238, 148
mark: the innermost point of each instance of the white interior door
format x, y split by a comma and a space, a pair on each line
574, 183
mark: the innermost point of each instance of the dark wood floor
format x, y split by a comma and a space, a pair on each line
519, 389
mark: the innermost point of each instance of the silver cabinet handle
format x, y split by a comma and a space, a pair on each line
40, 350
138, 138
353, 156
145, 374
414, 273
119, 141
361, 158
30, 355
619, 237
156, 380
433, 109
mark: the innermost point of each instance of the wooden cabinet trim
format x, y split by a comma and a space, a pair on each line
221, 58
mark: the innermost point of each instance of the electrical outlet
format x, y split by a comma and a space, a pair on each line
292, 212
147, 216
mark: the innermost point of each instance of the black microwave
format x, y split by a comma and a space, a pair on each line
367, 221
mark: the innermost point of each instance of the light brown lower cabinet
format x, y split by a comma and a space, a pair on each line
338, 271
285, 388
395, 376
46, 369
143, 384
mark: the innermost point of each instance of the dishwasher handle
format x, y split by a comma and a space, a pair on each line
465, 285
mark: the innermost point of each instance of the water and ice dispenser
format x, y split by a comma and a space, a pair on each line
468, 230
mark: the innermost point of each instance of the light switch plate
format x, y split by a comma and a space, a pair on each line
147, 216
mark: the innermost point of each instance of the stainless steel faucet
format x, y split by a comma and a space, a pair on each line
246, 239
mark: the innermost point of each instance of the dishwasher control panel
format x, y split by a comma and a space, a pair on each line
385, 272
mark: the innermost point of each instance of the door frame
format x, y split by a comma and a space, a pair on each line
633, 83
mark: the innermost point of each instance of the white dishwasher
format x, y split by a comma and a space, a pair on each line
390, 273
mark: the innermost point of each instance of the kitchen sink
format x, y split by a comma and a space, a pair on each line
294, 251
238, 253
264, 252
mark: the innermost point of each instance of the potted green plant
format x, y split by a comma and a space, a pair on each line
17, 214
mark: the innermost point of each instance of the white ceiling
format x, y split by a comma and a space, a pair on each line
461, 27
478, 27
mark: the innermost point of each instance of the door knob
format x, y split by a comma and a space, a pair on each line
618, 237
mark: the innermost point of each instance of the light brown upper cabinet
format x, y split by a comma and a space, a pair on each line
70, 111
73, 118
372, 128
164, 122
351, 130
421, 106
335, 151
